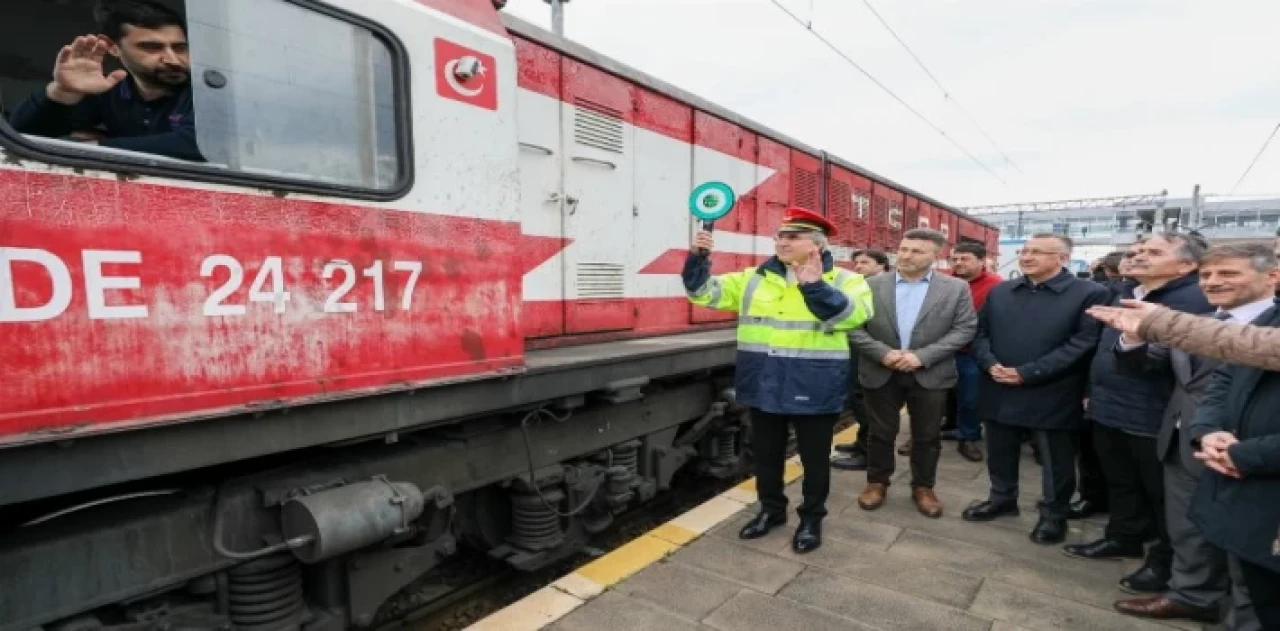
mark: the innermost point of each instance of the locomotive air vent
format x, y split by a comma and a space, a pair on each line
601, 280
806, 187
840, 204
598, 126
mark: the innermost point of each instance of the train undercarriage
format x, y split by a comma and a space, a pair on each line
319, 536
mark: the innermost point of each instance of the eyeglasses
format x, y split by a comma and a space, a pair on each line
1035, 252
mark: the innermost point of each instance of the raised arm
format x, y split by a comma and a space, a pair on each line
1242, 344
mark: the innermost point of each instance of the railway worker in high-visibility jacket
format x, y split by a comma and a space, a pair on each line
793, 366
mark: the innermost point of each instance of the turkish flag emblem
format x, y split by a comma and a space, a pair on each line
466, 75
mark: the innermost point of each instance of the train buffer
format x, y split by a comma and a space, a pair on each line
891, 568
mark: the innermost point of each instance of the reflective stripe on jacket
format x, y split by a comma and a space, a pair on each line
793, 347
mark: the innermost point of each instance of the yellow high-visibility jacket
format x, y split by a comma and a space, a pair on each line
793, 346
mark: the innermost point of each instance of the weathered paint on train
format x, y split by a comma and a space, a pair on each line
547, 208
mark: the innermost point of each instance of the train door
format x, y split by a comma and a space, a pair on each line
725, 152
598, 136
541, 200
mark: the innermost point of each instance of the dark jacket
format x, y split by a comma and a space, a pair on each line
1044, 333
1136, 403
164, 126
1242, 516
1191, 377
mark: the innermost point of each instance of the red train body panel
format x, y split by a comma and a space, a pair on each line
150, 300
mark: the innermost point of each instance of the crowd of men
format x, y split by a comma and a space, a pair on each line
1176, 446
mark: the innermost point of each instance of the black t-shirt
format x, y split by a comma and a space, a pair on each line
165, 126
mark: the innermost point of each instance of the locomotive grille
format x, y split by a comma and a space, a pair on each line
601, 280
806, 188
840, 202
598, 126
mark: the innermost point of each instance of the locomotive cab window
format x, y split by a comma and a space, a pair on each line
263, 90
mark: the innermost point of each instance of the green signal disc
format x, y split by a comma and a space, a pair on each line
711, 201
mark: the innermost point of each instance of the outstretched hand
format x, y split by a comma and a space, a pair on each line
1126, 318
78, 71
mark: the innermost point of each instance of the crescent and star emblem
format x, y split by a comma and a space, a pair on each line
452, 79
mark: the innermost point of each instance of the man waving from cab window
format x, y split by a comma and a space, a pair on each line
795, 312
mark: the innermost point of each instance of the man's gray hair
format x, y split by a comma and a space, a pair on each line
1260, 256
1190, 248
926, 234
818, 239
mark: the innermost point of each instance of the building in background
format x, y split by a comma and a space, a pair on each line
1101, 225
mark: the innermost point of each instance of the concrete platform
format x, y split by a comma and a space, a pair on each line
891, 568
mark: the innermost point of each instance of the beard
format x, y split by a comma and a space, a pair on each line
163, 76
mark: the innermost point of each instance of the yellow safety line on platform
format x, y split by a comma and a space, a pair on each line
571, 591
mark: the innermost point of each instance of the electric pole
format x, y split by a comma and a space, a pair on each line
1197, 208
557, 16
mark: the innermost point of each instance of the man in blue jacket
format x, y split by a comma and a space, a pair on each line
146, 107
1128, 411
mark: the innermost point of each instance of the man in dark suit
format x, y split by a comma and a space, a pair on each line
1126, 422
1033, 345
907, 355
1240, 281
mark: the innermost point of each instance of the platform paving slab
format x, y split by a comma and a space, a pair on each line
890, 568
752, 610
618, 612
681, 589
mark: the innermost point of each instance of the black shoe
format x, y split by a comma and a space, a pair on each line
1147, 580
970, 450
760, 525
1084, 509
856, 461
846, 448
1049, 531
808, 536
987, 511
1105, 549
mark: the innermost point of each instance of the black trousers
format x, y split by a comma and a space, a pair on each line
1264, 591
813, 441
1093, 482
1057, 474
1135, 491
925, 407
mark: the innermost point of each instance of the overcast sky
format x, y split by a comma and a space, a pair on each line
1087, 97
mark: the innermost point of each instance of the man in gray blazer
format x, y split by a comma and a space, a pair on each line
1240, 280
906, 355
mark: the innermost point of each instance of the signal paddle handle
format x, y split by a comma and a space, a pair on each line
708, 226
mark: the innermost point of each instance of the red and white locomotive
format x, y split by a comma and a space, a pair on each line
427, 275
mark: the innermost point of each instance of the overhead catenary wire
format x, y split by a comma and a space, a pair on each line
1254, 161
849, 60
946, 94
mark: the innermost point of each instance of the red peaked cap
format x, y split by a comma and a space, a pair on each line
798, 219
